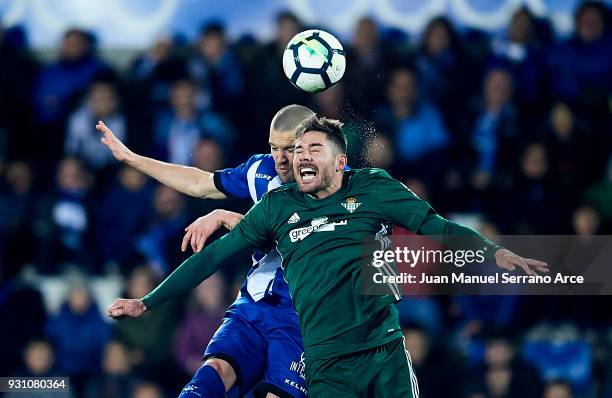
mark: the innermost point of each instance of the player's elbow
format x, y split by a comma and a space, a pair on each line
205, 188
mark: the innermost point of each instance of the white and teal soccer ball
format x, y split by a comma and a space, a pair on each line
314, 60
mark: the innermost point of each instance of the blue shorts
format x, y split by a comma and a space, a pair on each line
263, 343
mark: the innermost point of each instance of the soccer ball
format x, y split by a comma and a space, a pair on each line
314, 60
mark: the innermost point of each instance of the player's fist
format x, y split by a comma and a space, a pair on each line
121, 152
126, 307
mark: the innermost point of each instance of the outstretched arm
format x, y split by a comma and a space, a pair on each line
436, 225
252, 231
403, 207
188, 180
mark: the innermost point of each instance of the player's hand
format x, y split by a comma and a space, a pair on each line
200, 230
126, 307
121, 152
509, 260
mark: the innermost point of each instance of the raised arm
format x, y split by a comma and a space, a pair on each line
188, 180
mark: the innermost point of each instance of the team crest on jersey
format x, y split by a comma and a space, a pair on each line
350, 204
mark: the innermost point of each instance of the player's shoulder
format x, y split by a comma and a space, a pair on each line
284, 189
260, 165
368, 174
281, 192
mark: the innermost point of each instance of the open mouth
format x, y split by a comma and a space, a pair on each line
307, 173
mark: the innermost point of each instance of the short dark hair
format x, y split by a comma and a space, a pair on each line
286, 14
290, 117
212, 27
332, 128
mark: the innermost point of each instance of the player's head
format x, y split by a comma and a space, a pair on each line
320, 156
282, 138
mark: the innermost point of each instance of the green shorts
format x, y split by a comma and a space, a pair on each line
384, 371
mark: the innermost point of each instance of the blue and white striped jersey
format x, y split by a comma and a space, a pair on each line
253, 179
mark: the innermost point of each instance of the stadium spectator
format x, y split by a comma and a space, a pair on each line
366, 63
115, 235
586, 221
24, 306
265, 75
536, 210
474, 314
18, 70
521, 50
415, 126
579, 68
439, 60
600, 197
201, 320
423, 311
64, 224
18, 203
82, 138
159, 243
558, 389
434, 362
571, 150
146, 390
59, 86
495, 133
330, 103
152, 66
149, 337
217, 72
209, 155
148, 84
179, 129
378, 152
79, 335
39, 359
560, 352
116, 379
333, 104
503, 373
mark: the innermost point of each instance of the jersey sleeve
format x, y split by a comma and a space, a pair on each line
402, 207
233, 181
399, 204
439, 227
252, 232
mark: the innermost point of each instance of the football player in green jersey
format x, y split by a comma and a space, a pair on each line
352, 342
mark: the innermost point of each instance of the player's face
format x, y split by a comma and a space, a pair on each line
281, 147
316, 165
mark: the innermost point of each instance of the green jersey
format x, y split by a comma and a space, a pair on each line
320, 244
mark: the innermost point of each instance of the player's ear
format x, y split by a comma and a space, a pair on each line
341, 162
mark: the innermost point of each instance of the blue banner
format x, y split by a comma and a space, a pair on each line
136, 23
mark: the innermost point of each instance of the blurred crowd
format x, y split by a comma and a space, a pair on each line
513, 127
